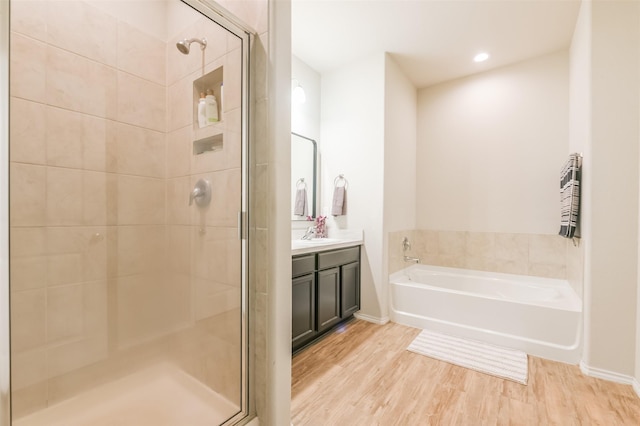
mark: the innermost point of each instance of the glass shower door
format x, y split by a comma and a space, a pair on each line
128, 265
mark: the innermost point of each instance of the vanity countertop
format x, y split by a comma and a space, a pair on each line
322, 244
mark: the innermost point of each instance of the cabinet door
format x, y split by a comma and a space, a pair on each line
303, 298
328, 298
350, 289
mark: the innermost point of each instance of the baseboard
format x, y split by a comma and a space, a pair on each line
611, 376
369, 318
636, 387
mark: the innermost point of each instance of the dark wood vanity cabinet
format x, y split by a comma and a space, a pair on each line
325, 292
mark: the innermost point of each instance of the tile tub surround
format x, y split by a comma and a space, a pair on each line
549, 256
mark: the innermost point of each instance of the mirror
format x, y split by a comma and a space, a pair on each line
304, 153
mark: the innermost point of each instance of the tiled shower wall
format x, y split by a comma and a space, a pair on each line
107, 256
548, 256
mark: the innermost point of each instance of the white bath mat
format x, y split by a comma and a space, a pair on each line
500, 362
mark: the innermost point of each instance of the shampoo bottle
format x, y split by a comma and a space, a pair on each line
202, 114
211, 107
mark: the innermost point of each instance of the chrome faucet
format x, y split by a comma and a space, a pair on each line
406, 245
311, 232
411, 259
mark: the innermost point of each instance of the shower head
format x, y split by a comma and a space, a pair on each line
183, 45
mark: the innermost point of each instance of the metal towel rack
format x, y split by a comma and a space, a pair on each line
340, 178
301, 182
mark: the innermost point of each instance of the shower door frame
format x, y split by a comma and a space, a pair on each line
232, 24
5, 341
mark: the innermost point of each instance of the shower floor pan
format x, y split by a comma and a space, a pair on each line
160, 395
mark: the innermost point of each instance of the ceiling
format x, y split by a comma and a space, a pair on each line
432, 41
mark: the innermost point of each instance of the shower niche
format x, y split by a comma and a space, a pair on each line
209, 138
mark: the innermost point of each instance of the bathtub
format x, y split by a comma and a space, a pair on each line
540, 316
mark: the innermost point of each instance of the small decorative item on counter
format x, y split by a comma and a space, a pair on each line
211, 107
321, 229
202, 115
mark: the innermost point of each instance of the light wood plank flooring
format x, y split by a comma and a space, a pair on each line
363, 375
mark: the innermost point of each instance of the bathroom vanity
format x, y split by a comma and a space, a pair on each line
325, 288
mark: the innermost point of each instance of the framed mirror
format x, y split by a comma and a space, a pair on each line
304, 154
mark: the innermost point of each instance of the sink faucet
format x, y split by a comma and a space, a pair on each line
311, 232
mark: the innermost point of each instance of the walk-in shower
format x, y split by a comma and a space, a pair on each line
128, 303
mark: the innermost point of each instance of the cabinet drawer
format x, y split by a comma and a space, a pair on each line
330, 259
303, 265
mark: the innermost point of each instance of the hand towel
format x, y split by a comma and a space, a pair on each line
339, 204
301, 207
570, 196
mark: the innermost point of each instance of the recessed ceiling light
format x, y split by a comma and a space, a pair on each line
481, 57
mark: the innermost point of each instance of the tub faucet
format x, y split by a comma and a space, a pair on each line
311, 232
411, 259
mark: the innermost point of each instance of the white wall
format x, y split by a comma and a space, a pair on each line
612, 250
352, 134
305, 118
400, 102
490, 149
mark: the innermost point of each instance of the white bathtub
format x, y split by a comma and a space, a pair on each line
540, 316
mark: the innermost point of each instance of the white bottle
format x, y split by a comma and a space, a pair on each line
202, 114
211, 107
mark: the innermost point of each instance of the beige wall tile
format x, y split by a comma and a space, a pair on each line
62, 359
178, 190
261, 259
77, 254
180, 103
141, 249
28, 68
27, 132
179, 249
29, 17
141, 201
28, 320
28, 242
28, 272
99, 137
260, 185
65, 313
28, 368
232, 80
28, 400
64, 268
65, 134
141, 54
216, 38
141, 102
94, 201
79, 84
179, 152
179, 65
27, 206
94, 32
64, 197
209, 255
140, 151
547, 256
94, 308
425, 242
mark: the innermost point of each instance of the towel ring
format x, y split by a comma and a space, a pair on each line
301, 182
340, 178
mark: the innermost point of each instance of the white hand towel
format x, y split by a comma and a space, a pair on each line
339, 205
301, 207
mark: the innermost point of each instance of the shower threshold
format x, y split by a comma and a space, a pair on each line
161, 395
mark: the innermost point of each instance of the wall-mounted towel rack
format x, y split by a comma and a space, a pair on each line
301, 182
340, 179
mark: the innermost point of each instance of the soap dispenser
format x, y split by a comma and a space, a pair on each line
202, 114
211, 107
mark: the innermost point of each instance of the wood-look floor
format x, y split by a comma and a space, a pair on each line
363, 375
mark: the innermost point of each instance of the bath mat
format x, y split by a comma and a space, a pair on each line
500, 362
